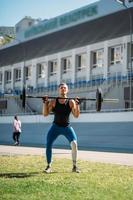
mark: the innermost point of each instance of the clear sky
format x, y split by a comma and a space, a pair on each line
12, 11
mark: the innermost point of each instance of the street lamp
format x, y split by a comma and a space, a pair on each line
130, 48
24, 82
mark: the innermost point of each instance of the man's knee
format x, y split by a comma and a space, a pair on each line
74, 145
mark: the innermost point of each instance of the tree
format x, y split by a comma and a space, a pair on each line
4, 40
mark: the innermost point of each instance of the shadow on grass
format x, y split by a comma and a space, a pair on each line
17, 175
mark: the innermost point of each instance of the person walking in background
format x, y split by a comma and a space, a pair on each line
16, 130
61, 107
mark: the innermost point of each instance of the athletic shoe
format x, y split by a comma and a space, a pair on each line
48, 169
16, 143
75, 169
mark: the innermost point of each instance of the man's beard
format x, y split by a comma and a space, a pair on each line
63, 94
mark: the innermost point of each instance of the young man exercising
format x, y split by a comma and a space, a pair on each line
61, 125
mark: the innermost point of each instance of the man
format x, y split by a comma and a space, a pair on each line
16, 130
61, 108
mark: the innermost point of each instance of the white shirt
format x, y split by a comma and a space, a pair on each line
17, 125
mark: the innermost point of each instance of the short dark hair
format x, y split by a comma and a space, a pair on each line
16, 117
62, 84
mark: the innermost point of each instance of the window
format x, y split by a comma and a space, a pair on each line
130, 55
17, 29
29, 23
0, 78
98, 58
17, 74
116, 54
81, 62
40, 70
8, 76
27, 72
66, 64
53, 67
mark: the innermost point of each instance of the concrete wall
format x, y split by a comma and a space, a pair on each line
98, 132
115, 137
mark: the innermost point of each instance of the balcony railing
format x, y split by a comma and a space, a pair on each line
95, 81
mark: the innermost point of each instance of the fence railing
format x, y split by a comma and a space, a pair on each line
115, 78
97, 80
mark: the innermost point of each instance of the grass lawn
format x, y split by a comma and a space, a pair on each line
22, 178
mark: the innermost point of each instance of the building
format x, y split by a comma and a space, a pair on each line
87, 48
23, 25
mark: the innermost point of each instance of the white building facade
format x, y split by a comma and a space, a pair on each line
84, 64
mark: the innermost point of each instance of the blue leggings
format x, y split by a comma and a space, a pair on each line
53, 133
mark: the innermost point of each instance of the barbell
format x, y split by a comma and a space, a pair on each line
99, 99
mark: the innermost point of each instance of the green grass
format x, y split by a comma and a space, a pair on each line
22, 178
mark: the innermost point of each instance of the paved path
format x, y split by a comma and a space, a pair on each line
92, 156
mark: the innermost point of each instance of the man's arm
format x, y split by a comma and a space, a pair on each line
19, 123
75, 108
47, 106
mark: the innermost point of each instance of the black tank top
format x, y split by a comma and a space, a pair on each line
61, 113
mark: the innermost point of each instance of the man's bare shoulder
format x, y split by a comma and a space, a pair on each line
71, 102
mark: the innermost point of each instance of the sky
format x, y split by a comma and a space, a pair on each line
12, 11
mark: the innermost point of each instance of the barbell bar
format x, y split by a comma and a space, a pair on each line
99, 99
